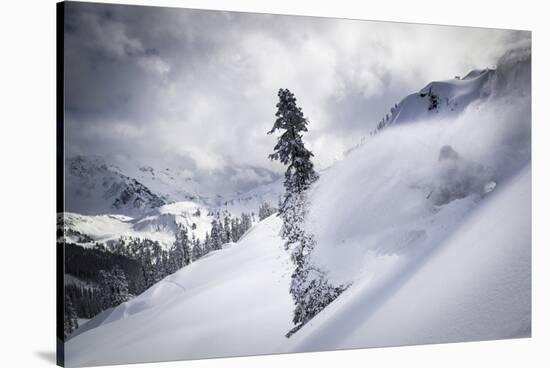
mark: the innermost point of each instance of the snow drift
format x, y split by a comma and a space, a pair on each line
234, 301
473, 285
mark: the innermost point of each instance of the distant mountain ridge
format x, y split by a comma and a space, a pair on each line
94, 187
105, 203
449, 98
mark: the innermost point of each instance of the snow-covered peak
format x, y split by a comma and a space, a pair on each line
159, 224
94, 187
168, 218
440, 99
171, 183
447, 99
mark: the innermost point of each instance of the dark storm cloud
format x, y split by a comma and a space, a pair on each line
199, 87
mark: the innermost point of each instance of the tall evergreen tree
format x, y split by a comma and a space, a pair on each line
235, 229
146, 259
216, 235
300, 174
265, 211
226, 229
207, 247
70, 323
310, 289
246, 223
180, 252
290, 148
165, 263
158, 269
185, 243
197, 251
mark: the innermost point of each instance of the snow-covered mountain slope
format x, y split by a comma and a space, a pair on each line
428, 221
446, 100
159, 224
434, 220
406, 191
182, 185
172, 184
474, 284
235, 301
105, 203
94, 187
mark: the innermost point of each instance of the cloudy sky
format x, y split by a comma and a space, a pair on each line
196, 90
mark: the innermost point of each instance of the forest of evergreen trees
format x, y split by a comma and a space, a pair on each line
110, 275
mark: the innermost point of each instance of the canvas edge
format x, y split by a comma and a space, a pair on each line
60, 200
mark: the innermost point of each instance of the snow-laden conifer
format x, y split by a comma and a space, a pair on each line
310, 289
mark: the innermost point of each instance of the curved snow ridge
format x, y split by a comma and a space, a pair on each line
234, 302
159, 224
445, 100
453, 96
474, 74
154, 297
476, 285
166, 219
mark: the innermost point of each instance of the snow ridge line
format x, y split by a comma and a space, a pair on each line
176, 283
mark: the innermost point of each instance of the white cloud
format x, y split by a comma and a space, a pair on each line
204, 84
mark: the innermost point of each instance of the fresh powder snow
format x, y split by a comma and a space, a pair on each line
428, 221
234, 301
